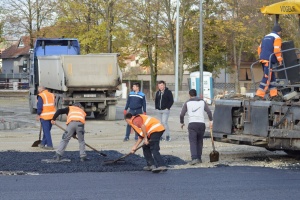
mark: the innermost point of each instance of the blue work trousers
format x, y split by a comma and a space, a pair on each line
47, 140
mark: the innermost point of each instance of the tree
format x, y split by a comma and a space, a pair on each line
27, 16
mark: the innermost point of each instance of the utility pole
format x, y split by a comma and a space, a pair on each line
177, 52
201, 51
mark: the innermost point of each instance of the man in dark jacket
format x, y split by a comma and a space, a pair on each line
163, 103
136, 102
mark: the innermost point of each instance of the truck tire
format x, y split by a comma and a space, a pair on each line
31, 109
110, 113
293, 153
62, 118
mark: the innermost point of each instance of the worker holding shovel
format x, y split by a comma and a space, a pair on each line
75, 125
150, 130
195, 108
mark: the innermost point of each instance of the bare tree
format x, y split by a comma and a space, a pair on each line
27, 16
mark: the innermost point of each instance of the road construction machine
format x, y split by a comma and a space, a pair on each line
274, 125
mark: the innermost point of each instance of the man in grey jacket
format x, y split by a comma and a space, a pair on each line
195, 108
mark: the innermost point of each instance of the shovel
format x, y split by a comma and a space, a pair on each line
214, 155
121, 158
36, 143
100, 153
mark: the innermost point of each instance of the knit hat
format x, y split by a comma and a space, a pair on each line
276, 28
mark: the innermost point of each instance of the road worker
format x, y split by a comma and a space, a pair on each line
271, 44
75, 125
195, 108
45, 112
150, 130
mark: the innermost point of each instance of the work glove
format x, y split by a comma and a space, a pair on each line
125, 112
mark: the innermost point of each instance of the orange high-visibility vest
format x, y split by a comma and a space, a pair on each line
152, 125
76, 114
48, 105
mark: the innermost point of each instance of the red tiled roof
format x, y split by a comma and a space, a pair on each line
15, 50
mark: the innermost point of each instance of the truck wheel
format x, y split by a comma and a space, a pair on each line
31, 109
294, 153
96, 115
62, 118
110, 113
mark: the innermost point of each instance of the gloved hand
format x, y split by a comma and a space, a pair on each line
125, 112
145, 113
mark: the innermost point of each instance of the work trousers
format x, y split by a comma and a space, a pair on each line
196, 132
151, 151
266, 84
163, 116
74, 127
134, 113
46, 140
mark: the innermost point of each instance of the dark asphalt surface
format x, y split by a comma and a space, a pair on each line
232, 183
31, 162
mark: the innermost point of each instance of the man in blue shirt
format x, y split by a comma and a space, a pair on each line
136, 102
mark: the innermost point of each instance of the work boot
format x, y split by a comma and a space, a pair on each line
195, 161
277, 98
57, 157
41, 146
149, 168
125, 139
168, 138
159, 169
83, 159
258, 98
162, 139
48, 148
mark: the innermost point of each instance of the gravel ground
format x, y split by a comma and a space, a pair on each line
18, 157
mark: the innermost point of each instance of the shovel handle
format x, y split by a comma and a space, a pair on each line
124, 156
102, 154
212, 140
41, 128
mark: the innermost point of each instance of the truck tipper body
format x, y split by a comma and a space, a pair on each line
91, 79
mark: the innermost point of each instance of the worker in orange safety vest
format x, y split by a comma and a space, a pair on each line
150, 130
45, 112
75, 126
270, 45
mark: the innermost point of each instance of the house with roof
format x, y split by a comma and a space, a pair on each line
15, 56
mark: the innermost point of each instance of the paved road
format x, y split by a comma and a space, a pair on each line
206, 183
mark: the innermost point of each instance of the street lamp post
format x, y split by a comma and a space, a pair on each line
201, 51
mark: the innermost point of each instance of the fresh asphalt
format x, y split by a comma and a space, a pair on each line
232, 183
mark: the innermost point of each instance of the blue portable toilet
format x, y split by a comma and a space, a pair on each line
208, 90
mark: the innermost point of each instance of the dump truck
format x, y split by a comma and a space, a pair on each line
265, 123
91, 79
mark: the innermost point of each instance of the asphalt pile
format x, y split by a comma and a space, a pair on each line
31, 162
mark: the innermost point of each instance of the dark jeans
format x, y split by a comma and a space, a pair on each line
196, 132
151, 151
128, 128
47, 140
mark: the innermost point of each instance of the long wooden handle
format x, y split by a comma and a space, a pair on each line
102, 154
40, 131
212, 140
124, 156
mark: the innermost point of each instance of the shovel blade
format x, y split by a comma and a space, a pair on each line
214, 156
36, 143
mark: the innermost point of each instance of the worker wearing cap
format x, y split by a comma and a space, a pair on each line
45, 112
271, 44
75, 125
150, 130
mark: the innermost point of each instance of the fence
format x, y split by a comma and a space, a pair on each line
14, 86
